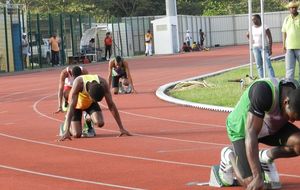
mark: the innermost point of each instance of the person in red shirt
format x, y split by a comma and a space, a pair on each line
108, 44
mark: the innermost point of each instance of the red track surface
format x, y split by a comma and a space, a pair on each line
172, 145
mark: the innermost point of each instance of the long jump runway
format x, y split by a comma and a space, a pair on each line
171, 145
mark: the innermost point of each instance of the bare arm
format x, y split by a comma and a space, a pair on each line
129, 75
253, 127
113, 108
247, 35
61, 84
283, 41
269, 35
77, 87
110, 67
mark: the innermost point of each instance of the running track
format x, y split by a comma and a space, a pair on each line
172, 145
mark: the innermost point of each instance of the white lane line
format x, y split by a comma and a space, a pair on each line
289, 175
136, 134
9, 123
105, 153
68, 178
185, 150
129, 113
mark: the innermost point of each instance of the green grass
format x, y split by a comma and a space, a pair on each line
224, 93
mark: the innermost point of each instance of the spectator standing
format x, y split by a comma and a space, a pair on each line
202, 37
291, 35
54, 43
188, 38
148, 43
108, 45
25, 49
257, 46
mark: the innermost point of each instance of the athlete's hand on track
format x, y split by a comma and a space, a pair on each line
65, 136
124, 133
59, 110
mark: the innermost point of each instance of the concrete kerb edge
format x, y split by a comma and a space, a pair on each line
160, 92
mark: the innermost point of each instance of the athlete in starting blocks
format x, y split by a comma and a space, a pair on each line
264, 114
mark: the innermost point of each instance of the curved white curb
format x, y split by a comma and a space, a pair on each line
160, 92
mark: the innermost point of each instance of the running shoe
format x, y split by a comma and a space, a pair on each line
226, 169
88, 130
271, 176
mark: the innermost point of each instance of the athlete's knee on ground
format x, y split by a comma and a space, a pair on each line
99, 124
76, 134
296, 146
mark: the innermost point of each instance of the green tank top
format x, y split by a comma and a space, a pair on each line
237, 119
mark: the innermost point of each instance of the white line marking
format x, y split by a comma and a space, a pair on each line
136, 134
289, 175
184, 150
68, 178
9, 123
164, 138
105, 153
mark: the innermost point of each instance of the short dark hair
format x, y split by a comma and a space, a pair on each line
96, 91
257, 16
294, 100
76, 71
118, 59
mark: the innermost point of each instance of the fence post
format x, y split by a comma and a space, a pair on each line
72, 35
30, 39
121, 46
21, 48
80, 27
62, 39
38, 39
6, 40
138, 30
126, 37
133, 47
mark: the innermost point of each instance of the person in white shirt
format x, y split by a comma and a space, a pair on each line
188, 38
25, 49
258, 49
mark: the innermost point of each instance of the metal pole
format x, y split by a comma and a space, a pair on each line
138, 28
132, 35
72, 35
62, 38
126, 33
250, 36
20, 30
30, 39
120, 37
263, 36
113, 34
6, 40
80, 27
38, 39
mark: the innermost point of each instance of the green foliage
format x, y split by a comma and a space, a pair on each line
103, 9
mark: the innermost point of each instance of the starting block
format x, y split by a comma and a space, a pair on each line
214, 180
272, 185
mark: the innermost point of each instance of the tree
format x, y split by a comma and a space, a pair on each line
124, 8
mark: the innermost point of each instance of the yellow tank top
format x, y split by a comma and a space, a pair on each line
84, 100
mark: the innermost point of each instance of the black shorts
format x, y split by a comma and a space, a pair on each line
116, 80
278, 139
78, 112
